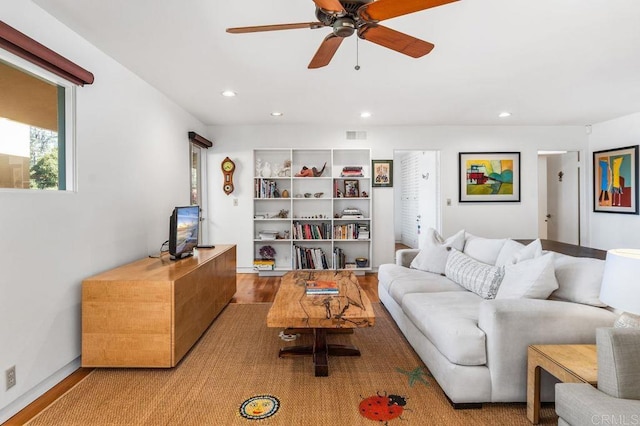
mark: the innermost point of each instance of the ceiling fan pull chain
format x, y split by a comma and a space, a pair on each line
357, 67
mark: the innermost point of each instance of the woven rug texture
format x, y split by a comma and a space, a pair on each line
237, 359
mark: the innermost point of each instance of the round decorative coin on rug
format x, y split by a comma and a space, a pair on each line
259, 407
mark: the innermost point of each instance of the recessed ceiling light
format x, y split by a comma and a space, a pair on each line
504, 114
543, 152
365, 114
277, 114
228, 93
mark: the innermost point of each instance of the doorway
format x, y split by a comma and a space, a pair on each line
198, 182
416, 195
559, 196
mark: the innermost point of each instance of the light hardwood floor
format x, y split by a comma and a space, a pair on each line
251, 288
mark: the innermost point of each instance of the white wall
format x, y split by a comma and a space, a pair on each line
610, 230
133, 167
228, 223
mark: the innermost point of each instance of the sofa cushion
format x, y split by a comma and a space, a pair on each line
514, 252
532, 279
485, 250
475, 276
435, 251
450, 321
398, 281
579, 279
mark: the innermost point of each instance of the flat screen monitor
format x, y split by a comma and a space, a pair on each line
183, 231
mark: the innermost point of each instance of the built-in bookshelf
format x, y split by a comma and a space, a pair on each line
318, 221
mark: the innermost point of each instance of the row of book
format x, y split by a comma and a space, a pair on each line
309, 258
351, 231
265, 188
311, 231
314, 287
339, 258
264, 264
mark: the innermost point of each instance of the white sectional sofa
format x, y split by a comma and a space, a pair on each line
473, 331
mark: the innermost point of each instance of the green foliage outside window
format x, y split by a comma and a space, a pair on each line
44, 159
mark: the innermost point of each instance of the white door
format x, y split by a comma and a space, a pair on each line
419, 207
410, 197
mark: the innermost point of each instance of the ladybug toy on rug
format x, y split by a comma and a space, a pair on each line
382, 408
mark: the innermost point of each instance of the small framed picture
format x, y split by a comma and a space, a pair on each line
351, 188
615, 180
382, 173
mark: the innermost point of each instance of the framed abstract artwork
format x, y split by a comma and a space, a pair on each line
615, 180
382, 171
489, 177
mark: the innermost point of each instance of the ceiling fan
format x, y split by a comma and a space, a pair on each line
361, 16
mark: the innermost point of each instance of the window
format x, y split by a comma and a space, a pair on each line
35, 112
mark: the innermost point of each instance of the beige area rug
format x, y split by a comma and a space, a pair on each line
237, 360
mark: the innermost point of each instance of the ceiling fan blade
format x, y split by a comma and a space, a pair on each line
276, 27
330, 6
395, 40
326, 51
386, 9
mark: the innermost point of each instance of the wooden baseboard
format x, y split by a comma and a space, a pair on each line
37, 406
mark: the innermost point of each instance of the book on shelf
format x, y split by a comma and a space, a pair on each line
363, 231
265, 188
264, 264
352, 171
321, 287
339, 258
310, 231
309, 258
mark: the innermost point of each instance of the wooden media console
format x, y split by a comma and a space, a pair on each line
149, 313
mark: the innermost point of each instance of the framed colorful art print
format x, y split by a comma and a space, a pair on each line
382, 173
489, 177
615, 180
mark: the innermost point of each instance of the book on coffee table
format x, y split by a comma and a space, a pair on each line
321, 287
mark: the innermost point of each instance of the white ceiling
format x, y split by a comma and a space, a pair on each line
549, 62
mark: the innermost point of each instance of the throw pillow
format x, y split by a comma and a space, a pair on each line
579, 279
480, 278
484, 250
514, 252
531, 279
432, 257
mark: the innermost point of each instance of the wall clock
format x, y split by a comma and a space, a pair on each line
228, 167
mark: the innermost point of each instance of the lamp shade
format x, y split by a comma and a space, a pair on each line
621, 280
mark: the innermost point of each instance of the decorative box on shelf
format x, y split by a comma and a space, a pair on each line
268, 235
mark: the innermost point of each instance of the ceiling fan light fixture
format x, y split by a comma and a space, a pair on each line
228, 93
344, 27
504, 114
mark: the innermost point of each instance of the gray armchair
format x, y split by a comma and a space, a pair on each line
617, 398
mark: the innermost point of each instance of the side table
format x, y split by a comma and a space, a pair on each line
568, 363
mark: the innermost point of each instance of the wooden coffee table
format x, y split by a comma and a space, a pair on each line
293, 309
